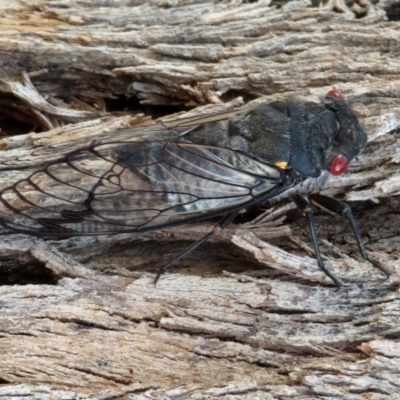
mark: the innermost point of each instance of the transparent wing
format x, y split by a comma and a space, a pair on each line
130, 186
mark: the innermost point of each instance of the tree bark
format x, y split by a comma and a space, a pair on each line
248, 315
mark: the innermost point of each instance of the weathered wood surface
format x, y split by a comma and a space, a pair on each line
81, 318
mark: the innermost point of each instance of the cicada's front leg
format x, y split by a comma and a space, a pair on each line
338, 207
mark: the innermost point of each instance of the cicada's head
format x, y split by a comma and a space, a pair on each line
350, 137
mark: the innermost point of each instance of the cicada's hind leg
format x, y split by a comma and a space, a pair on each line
337, 207
221, 225
306, 209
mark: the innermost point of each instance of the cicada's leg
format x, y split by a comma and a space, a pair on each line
337, 207
221, 225
306, 209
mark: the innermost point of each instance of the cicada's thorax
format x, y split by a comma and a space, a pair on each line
294, 135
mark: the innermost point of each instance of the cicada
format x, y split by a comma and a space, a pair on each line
166, 174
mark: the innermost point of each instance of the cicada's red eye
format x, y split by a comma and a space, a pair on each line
335, 93
339, 165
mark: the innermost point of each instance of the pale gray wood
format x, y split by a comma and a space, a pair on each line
90, 324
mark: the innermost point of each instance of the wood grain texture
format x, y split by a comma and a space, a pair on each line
248, 315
